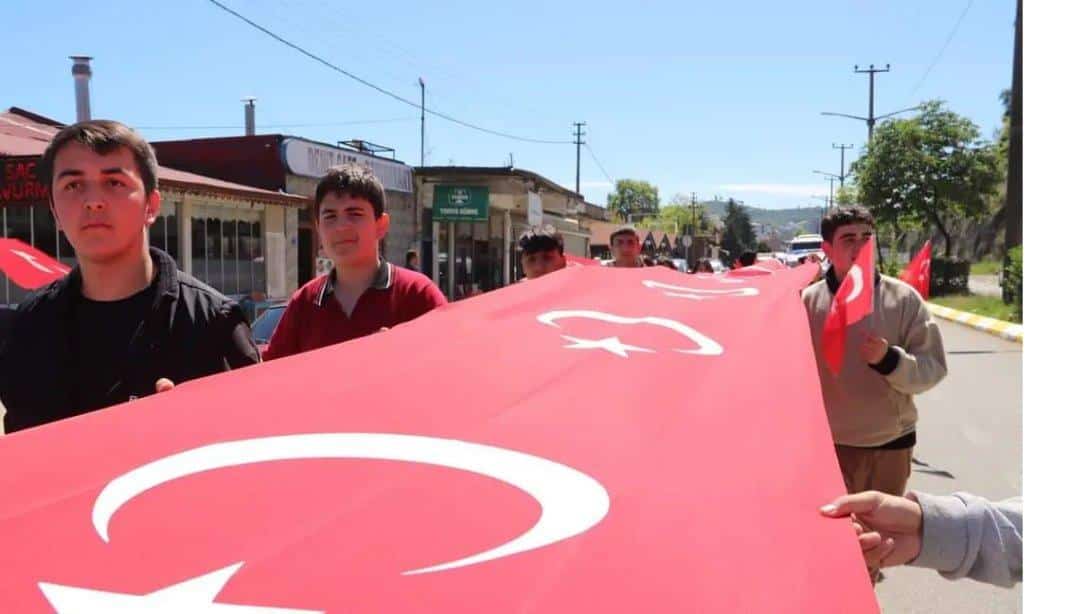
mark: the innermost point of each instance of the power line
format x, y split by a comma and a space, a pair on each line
940, 53
378, 88
598, 163
311, 125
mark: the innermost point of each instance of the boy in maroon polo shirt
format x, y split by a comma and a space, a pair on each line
363, 293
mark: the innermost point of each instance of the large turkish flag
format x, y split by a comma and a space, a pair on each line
596, 440
28, 267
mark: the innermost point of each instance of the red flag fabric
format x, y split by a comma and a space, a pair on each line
544, 466
917, 272
28, 267
852, 302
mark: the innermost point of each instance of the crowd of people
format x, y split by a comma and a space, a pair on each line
127, 323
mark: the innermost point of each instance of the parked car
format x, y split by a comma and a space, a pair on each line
266, 323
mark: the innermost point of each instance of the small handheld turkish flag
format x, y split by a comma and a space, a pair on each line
28, 267
917, 272
852, 302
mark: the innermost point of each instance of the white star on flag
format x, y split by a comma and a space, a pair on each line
611, 344
193, 596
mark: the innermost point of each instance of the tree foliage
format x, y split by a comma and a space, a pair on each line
737, 234
633, 199
928, 169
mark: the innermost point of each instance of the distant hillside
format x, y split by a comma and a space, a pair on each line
782, 219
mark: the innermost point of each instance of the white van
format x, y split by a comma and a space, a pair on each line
803, 245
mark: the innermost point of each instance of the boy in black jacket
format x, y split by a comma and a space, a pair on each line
125, 323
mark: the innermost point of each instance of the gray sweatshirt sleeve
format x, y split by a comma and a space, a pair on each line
968, 536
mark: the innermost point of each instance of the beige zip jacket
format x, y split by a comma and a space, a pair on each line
869, 406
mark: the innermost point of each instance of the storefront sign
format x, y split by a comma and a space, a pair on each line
19, 184
536, 209
457, 203
311, 159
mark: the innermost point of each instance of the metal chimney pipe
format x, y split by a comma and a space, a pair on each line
251, 116
81, 72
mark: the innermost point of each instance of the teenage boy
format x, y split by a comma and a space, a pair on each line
891, 355
125, 322
626, 248
541, 252
363, 293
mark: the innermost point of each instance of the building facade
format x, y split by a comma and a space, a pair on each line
471, 218
295, 165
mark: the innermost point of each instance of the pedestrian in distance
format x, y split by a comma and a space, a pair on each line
541, 252
703, 265
626, 248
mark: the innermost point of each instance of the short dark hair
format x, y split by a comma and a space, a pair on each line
537, 240
355, 181
665, 262
748, 258
411, 254
625, 230
844, 216
103, 136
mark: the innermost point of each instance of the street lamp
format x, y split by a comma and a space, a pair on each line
871, 121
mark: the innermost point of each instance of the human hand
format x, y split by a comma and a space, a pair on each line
873, 348
889, 528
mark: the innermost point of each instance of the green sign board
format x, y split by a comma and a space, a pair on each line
460, 203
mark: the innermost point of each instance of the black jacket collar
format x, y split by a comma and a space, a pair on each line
166, 279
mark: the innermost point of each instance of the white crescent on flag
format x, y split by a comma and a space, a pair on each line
571, 502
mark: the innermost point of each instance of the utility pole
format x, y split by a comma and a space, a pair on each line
871, 120
422, 119
578, 142
832, 177
842, 162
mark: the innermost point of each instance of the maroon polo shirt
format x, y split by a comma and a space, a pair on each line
314, 318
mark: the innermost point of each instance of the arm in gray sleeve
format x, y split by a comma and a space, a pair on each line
968, 536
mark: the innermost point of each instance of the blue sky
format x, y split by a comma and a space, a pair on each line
713, 97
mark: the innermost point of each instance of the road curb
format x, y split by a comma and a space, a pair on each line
999, 328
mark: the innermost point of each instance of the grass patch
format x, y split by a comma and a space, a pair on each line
989, 306
985, 267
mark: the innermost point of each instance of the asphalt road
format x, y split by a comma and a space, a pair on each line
970, 427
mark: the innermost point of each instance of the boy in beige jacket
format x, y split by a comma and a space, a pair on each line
891, 355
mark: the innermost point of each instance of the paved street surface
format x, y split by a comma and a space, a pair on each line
984, 285
969, 426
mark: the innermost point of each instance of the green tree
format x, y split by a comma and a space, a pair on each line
737, 233
633, 199
846, 195
928, 169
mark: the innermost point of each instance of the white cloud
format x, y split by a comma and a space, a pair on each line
783, 189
